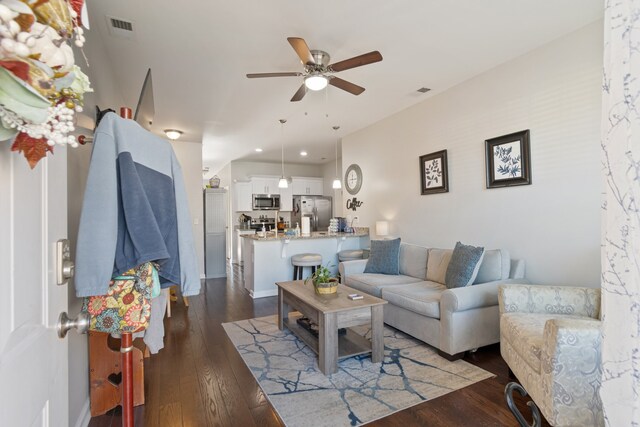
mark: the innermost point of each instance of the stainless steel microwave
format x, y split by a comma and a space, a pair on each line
266, 202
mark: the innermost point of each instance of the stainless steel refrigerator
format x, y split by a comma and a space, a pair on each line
317, 208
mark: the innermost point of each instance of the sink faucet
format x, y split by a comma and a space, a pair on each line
354, 219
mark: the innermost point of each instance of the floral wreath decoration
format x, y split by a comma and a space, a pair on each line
41, 87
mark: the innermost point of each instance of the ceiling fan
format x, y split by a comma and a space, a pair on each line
318, 72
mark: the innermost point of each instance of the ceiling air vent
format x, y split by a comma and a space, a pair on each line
120, 28
424, 90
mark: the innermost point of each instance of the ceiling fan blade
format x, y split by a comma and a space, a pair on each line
299, 94
288, 74
357, 61
345, 85
300, 46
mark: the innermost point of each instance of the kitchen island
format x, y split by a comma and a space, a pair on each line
267, 260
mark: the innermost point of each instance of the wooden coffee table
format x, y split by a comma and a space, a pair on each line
331, 313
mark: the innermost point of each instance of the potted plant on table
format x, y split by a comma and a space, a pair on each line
323, 283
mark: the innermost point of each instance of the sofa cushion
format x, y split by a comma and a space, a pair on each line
496, 265
437, 264
524, 332
463, 266
421, 298
413, 260
384, 257
373, 284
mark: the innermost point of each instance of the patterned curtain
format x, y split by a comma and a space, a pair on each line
620, 390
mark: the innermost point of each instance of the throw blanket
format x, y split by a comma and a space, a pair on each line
134, 210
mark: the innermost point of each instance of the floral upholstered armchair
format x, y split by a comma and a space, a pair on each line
550, 338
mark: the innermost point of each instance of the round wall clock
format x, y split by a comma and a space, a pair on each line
353, 179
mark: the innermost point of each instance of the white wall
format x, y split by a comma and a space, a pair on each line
107, 94
554, 223
241, 170
189, 154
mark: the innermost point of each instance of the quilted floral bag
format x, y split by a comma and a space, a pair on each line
127, 305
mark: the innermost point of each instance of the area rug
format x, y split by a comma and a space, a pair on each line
361, 391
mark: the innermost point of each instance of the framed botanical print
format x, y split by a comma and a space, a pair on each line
433, 173
508, 160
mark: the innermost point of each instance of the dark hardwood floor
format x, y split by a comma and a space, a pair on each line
199, 379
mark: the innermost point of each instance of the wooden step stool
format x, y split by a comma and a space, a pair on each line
105, 373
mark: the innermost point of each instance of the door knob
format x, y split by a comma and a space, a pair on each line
81, 323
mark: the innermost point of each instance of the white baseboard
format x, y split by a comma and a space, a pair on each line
262, 294
202, 276
85, 415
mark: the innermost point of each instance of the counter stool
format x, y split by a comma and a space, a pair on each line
350, 254
300, 261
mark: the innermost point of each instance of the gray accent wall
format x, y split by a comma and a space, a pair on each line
553, 224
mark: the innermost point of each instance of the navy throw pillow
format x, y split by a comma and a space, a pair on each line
464, 265
384, 257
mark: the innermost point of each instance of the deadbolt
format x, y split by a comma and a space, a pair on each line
64, 266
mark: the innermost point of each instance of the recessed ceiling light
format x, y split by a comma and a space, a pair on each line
258, 150
303, 153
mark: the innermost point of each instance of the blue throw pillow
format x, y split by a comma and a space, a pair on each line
464, 265
384, 257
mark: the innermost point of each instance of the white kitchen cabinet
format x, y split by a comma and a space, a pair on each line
239, 233
243, 193
264, 185
215, 229
307, 186
316, 187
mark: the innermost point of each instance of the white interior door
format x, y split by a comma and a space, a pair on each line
33, 360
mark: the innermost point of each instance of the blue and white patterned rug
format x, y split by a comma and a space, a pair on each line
361, 391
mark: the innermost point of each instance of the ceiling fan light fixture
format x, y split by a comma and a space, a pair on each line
173, 134
316, 82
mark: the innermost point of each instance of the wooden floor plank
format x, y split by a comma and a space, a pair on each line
171, 414
199, 379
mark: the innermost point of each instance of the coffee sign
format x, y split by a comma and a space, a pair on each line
353, 204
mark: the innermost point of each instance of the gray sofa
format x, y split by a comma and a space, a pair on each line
452, 320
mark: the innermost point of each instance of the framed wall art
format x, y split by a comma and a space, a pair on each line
508, 160
434, 176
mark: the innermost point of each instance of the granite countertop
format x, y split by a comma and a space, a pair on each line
314, 235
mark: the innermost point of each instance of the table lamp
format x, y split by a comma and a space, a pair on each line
382, 228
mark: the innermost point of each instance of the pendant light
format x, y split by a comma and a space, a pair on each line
283, 181
336, 182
